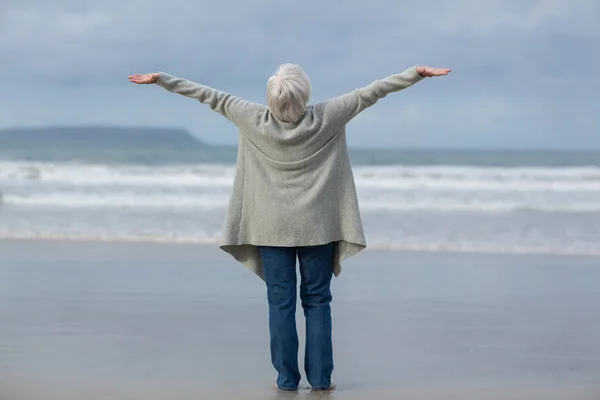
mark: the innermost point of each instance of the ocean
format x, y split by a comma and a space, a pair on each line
139, 187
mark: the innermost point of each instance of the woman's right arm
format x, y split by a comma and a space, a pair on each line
351, 104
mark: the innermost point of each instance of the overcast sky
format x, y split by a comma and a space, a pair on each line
525, 73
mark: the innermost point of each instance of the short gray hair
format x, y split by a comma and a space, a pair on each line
288, 92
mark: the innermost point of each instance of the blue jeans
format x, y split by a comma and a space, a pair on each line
316, 271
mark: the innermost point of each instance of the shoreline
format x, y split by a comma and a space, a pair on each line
373, 249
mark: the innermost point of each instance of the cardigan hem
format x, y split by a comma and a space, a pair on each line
248, 254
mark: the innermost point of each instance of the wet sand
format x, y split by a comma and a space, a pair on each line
92, 320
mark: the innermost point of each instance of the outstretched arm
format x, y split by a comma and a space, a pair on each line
233, 108
351, 104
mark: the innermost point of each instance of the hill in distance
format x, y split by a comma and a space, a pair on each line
99, 135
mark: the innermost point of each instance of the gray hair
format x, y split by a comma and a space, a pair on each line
288, 92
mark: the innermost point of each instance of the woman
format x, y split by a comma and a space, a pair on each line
294, 196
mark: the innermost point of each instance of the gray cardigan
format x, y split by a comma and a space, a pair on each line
293, 184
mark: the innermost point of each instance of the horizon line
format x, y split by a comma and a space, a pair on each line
351, 147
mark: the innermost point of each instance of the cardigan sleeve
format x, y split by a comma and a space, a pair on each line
233, 108
347, 106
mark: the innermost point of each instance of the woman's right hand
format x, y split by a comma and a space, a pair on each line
144, 79
429, 71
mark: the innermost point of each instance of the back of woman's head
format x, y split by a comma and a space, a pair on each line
288, 92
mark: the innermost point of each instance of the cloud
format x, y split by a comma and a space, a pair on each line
518, 65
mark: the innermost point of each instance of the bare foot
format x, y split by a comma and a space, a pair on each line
331, 388
284, 390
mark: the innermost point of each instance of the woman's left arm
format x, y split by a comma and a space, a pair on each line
233, 108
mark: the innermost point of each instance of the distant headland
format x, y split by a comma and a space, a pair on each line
100, 135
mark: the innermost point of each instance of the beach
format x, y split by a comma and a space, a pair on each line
135, 138
136, 320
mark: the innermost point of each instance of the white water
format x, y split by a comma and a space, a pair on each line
380, 188
389, 177
552, 210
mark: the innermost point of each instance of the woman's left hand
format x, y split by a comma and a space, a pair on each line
144, 79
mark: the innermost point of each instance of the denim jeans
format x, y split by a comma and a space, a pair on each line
316, 271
